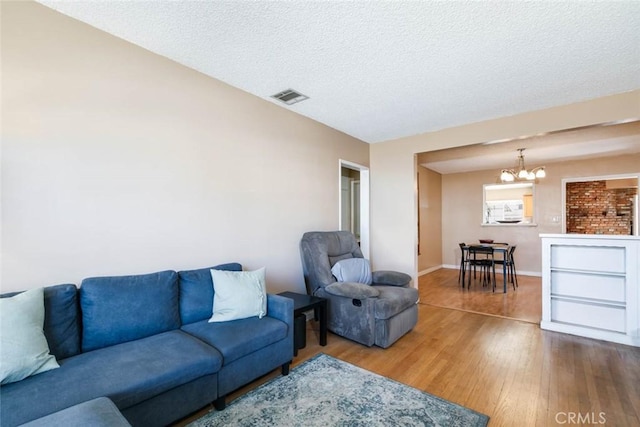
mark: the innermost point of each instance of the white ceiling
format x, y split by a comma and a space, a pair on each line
381, 70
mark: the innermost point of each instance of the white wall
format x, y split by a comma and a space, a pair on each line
393, 201
119, 161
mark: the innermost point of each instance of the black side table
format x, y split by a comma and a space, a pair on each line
302, 303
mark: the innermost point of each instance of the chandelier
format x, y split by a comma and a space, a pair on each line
510, 175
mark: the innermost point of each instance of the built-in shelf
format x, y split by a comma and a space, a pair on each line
590, 286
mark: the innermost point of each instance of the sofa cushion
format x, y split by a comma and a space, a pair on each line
100, 412
238, 338
125, 308
23, 347
238, 294
61, 319
393, 300
196, 292
127, 373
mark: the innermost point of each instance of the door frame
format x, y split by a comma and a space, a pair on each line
364, 202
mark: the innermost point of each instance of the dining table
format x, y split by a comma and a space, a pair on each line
499, 248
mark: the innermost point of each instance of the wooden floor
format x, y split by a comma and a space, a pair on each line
441, 288
510, 370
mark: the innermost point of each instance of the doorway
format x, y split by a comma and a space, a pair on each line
354, 202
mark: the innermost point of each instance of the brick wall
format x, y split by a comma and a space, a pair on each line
594, 209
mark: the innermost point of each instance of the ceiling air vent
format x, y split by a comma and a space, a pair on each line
290, 96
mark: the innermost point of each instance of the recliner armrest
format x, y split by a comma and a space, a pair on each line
390, 278
352, 290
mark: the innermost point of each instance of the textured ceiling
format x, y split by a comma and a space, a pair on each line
384, 70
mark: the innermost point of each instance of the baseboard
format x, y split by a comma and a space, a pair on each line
429, 270
519, 272
529, 273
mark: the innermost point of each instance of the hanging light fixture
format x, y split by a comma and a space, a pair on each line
521, 174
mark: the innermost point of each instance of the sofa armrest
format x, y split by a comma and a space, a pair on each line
280, 308
390, 278
352, 290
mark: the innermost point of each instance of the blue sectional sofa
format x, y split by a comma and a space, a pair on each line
145, 342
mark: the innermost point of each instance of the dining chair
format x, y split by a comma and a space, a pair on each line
510, 264
503, 254
464, 260
482, 257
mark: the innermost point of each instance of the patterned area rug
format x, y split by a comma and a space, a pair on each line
324, 391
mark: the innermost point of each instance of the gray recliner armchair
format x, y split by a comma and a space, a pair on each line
379, 313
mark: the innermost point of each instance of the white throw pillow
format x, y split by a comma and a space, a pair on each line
238, 295
24, 350
353, 270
